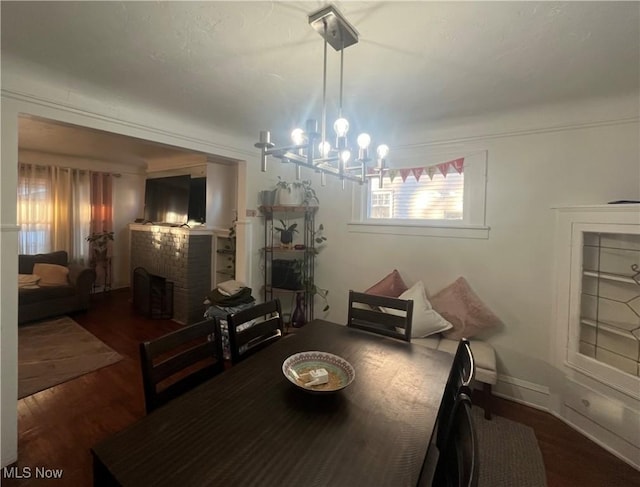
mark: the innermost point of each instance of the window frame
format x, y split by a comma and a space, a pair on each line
473, 223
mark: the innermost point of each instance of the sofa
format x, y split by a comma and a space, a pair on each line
62, 288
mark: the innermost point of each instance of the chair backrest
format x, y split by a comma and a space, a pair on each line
458, 461
196, 347
459, 381
365, 313
254, 328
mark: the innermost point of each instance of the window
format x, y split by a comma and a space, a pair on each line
438, 206
381, 203
439, 198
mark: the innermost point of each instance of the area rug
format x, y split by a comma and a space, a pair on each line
509, 453
55, 351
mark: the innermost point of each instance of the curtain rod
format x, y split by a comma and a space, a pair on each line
44, 166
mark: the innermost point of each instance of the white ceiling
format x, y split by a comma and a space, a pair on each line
242, 67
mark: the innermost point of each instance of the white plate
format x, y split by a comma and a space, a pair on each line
341, 373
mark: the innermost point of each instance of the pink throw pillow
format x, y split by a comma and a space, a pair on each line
460, 306
391, 285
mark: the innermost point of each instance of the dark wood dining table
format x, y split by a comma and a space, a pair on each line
250, 426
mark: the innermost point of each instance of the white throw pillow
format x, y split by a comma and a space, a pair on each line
426, 321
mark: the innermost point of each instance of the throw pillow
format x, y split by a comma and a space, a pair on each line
426, 321
51, 274
391, 285
461, 306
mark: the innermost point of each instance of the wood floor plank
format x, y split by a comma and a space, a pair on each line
58, 426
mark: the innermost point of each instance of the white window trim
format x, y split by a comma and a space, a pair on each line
473, 224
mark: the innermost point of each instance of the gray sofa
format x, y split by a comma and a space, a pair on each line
45, 302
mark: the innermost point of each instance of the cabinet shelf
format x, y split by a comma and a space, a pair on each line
282, 290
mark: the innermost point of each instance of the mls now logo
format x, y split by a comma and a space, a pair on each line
29, 472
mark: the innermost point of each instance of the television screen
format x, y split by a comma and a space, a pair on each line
198, 200
175, 199
166, 200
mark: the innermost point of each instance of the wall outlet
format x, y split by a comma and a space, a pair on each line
252, 213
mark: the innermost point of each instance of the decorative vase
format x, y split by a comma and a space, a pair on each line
297, 318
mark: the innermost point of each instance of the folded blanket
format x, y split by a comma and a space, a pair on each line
231, 287
242, 297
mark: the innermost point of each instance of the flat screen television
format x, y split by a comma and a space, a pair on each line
175, 199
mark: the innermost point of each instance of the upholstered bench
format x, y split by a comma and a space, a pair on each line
484, 357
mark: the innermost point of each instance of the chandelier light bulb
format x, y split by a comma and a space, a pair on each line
382, 151
345, 155
364, 140
324, 148
297, 136
341, 126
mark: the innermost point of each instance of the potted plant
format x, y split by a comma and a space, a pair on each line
296, 193
286, 233
99, 243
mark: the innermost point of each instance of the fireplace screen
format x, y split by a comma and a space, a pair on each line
152, 295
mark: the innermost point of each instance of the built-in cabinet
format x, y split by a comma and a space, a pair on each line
597, 317
289, 265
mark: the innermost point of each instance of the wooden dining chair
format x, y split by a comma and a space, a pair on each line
458, 464
254, 328
179, 361
365, 313
459, 381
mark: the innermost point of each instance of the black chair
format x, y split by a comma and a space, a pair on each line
458, 461
459, 381
365, 313
179, 361
268, 327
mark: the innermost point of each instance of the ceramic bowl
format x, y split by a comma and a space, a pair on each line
341, 373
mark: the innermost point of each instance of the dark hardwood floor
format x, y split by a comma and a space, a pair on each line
58, 426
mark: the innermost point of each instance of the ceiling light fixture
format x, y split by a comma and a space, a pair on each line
310, 148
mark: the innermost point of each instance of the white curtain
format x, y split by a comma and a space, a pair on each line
54, 210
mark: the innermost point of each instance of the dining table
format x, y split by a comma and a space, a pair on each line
250, 426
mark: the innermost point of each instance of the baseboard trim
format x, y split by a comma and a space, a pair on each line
523, 392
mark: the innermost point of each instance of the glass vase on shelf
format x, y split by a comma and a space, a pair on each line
298, 318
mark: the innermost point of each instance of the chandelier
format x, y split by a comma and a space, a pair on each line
310, 147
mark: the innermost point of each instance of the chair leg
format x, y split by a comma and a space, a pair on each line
486, 395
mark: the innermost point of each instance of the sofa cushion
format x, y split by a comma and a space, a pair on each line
462, 307
425, 320
26, 262
42, 294
51, 274
391, 285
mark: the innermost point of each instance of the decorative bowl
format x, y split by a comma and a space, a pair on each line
341, 373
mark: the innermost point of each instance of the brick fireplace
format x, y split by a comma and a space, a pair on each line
179, 255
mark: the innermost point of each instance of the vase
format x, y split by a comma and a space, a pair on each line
298, 318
